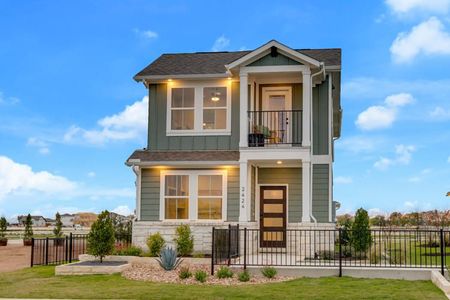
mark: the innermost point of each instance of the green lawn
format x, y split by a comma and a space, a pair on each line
39, 282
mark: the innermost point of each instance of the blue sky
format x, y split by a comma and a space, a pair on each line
70, 113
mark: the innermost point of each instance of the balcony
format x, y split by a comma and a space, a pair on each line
275, 127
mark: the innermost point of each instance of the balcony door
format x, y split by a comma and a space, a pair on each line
277, 104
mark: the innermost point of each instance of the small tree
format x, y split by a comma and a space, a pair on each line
57, 231
361, 236
28, 234
3, 226
184, 240
101, 237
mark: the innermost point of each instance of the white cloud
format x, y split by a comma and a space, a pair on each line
343, 180
407, 6
376, 212
414, 179
358, 143
8, 100
403, 156
123, 210
439, 114
129, 124
429, 38
91, 174
221, 43
16, 177
147, 34
383, 116
41, 145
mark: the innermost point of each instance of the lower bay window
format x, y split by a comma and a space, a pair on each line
193, 195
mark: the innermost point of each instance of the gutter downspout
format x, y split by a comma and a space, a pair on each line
321, 71
137, 171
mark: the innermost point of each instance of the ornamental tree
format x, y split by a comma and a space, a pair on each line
28, 234
57, 231
361, 236
101, 237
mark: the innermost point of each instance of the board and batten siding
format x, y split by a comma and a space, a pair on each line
150, 194
279, 60
320, 119
320, 192
158, 140
293, 178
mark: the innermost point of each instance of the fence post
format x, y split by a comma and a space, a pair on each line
229, 244
212, 253
70, 247
46, 251
32, 251
66, 250
441, 232
340, 252
245, 248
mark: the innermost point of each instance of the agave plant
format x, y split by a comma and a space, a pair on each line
168, 259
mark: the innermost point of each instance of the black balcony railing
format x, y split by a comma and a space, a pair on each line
274, 127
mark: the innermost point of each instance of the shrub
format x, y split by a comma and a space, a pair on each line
326, 255
184, 240
361, 237
224, 272
198, 255
244, 276
129, 251
155, 243
100, 240
168, 259
269, 272
28, 234
345, 232
57, 231
201, 276
3, 227
184, 273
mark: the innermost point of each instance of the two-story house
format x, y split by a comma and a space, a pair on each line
241, 137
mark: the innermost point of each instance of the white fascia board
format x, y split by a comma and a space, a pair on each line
157, 78
274, 69
291, 53
333, 68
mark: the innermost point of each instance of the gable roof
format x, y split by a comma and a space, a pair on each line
214, 63
147, 156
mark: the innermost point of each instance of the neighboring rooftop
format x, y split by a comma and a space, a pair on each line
214, 62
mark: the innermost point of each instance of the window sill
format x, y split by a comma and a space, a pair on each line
197, 133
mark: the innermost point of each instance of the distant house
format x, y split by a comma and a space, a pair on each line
84, 219
37, 221
50, 222
67, 220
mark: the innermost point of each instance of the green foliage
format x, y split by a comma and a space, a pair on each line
346, 226
155, 243
100, 240
361, 237
3, 226
28, 234
327, 254
129, 251
269, 272
244, 276
379, 221
57, 231
224, 272
201, 276
168, 259
184, 273
198, 255
184, 240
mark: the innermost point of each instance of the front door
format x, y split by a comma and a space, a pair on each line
273, 216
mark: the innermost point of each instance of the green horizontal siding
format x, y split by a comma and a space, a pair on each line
320, 192
320, 119
233, 195
293, 178
158, 140
150, 182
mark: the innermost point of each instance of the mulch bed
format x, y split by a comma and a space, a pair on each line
150, 272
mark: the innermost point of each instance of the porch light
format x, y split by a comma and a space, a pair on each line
279, 162
215, 96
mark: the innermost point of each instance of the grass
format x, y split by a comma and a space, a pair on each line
40, 282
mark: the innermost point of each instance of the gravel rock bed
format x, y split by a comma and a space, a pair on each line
149, 272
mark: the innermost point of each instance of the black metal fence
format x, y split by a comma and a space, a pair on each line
56, 251
274, 127
396, 248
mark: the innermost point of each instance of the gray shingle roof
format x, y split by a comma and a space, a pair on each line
214, 62
164, 156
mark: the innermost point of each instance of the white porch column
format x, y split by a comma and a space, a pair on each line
307, 107
243, 108
306, 191
244, 195
138, 172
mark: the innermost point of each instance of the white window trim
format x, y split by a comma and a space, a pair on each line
198, 109
193, 194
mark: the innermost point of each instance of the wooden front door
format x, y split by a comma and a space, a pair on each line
273, 216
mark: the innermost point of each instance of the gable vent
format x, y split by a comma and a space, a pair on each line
273, 51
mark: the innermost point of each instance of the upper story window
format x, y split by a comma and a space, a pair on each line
199, 109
